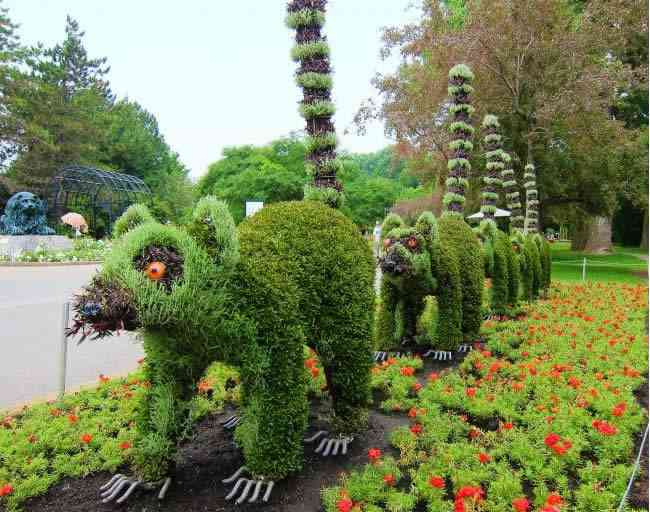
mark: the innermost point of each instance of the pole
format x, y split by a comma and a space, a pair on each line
584, 269
63, 360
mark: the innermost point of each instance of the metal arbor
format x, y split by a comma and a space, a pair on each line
100, 196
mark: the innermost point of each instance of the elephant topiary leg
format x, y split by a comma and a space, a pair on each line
450, 300
386, 324
275, 415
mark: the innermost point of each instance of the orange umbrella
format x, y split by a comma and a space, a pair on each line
76, 221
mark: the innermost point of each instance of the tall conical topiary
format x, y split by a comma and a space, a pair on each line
513, 199
460, 90
312, 53
495, 157
532, 200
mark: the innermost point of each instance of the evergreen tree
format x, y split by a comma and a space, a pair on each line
68, 66
311, 51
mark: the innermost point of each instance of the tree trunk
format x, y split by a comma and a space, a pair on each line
593, 235
644, 233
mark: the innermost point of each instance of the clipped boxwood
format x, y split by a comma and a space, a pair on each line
294, 274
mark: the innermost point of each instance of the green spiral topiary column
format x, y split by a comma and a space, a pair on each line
495, 158
513, 199
532, 200
460, 89
312, 53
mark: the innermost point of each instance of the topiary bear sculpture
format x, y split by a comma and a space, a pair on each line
294, 274
435, 257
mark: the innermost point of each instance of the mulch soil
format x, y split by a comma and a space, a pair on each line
211, 455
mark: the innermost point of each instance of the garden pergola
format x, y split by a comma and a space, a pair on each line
100, 196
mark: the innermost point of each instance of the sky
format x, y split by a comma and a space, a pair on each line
217, 73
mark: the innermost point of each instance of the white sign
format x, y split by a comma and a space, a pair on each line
252, 207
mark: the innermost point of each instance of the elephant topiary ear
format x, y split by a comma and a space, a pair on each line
135, 215
391, 222
213, 228
427, 226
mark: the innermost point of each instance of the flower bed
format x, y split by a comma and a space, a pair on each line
83, 250
543, 418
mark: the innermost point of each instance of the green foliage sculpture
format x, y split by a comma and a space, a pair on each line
532, 199
312, 52
441, 258
460, 89
495, 164
513, 199
294, 274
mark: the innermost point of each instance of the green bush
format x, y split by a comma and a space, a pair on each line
293, 274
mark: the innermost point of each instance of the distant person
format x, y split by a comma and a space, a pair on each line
377, 238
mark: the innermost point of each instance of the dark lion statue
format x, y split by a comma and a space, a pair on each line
25, 214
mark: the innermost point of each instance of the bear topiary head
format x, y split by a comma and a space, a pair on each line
160, 276
408, 250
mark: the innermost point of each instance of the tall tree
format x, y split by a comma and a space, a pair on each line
58, 108
549, 77
68, 66
312, 52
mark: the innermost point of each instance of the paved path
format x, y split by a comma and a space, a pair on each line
31, 301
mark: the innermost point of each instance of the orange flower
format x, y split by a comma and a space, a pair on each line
73, 418
125, 445
86, 438
484, 458
389, 480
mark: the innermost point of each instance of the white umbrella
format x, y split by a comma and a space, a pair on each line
499, 213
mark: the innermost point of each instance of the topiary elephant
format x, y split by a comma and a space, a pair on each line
294, 274
502, 267
435, 257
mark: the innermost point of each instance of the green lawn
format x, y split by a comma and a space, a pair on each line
623, 266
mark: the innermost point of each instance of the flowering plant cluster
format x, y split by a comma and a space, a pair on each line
90, 430
83, 249
542, 418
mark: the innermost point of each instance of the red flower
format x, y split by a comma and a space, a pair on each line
470, 392
508, 425
413, 412
574, 383
604, 428
344, 505
374, 454
310, 363
407, 371
520, 505
551, 439
437, 482
474, 433
389, 480
315, 372
73, 418
416, 387
484, 458
554, 499
6, 490
86, 438
619, 409
433, 376
125, 445
416, 428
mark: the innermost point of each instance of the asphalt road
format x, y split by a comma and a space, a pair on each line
31, 302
